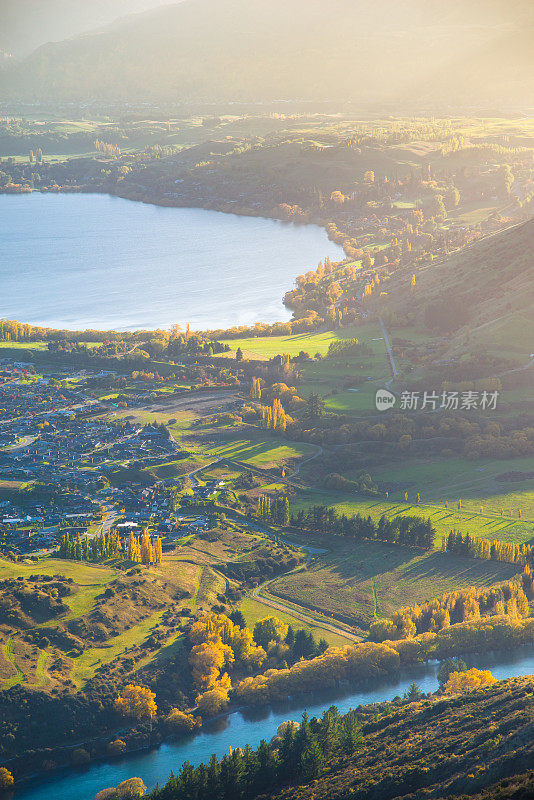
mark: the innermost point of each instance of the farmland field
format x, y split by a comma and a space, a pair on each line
486, 525
358, 581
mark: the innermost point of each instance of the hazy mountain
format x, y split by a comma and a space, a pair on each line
318, 50
27, 24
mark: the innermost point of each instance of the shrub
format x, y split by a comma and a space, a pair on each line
80, 757
180, 721
117, 747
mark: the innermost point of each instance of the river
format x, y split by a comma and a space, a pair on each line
80, 261
249, 727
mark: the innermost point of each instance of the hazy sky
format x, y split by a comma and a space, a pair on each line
26, 24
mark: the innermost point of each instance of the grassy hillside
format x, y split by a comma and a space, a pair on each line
483, 294
439, 748
248, 50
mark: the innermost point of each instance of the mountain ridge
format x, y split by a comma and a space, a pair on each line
338, 51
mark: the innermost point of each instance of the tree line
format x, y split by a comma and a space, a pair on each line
405, 530
297, 753
487, 549
505, 599
109, 545
275, 510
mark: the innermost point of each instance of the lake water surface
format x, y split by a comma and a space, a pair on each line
250, 727
93, 261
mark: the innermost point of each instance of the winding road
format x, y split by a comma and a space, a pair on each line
280, 606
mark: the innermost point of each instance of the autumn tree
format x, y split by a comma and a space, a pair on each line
137, 702
6, 778
460, 682
147, 551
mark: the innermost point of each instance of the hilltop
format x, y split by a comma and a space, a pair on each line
207, 51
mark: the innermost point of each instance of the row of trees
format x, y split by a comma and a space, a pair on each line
487, 549
84, 548
108, 149
275, 510
354, 663
472, 604
274, 417
297, 753
405, 530
109, 545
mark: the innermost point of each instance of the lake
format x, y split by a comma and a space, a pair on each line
93, 261
250, 727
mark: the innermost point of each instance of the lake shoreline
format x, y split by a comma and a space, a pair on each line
141, 265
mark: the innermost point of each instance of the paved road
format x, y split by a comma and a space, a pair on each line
307, 460
279, 605
388, 345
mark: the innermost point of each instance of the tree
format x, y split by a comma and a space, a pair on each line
238, 618
239, 354
6, 778
315, 406
213, 701
436, 207
270, 629
447, 667
137, 702
255, 390
158, 551
414, 693
130, 789
351, 734
147, 551
182, 722
465, 681
312, 761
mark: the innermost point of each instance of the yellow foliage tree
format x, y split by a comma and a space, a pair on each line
137, 702
180, 721
465, 681
207, 660
147, 551
6, 778
158, 551
214, 700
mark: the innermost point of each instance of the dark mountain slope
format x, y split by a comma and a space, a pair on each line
437, 749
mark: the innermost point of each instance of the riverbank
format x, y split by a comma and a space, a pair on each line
249, 726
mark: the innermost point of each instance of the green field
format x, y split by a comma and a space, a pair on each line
312, 343
476, 483
479, 525
260, 453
